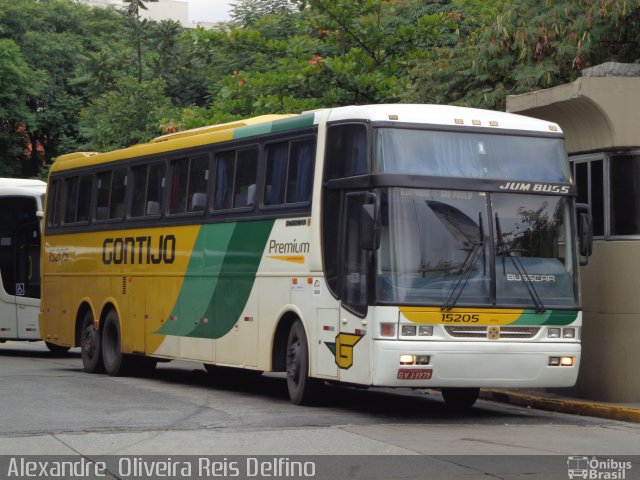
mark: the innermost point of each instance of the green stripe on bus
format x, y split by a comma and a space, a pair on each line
285, 124
217, 286
549, 317
282, 125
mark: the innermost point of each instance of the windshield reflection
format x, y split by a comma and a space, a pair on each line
436, 249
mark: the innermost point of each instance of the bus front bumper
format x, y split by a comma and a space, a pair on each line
474, 364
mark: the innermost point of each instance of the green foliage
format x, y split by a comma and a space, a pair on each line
133, 112
531, 45
75, 77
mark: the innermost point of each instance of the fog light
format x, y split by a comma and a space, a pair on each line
387, 329
568, 333
553, 333
425, 330
554, 361
408, 330
407, 360
422, 359
566, 361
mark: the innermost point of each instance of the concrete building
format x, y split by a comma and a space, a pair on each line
600, 116
162, 10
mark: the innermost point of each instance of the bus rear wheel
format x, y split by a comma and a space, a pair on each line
115, 362
90, 345
460, 398
303, 390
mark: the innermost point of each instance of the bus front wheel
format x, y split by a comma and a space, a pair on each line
460, 398
90, 345
302, 388
115, 362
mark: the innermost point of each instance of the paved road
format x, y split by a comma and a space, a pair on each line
49, 406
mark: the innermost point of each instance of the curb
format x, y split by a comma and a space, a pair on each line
563, 405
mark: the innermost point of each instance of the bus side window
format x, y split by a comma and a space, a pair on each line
71, 186
118, 194
198, 177
53, 219
346, 151
246, 172
289, 176
276, 178
138, 190
155, 189
235, 179
85, 190
300, 175
223, 183
104, 193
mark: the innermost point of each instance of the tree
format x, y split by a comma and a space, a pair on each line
17, 83
132, 8
133, 112
533, 45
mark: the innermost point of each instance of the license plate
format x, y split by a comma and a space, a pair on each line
415, 373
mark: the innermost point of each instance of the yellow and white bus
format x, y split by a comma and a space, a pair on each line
390, 245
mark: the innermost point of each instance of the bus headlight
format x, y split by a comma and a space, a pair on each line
553, 333
568, 333
407, 360
408, 330
425, 330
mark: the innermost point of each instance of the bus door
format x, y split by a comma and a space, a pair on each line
352, 343
19, 268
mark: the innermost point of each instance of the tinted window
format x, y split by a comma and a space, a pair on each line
346, 152
624, 172
235, 180
289, 174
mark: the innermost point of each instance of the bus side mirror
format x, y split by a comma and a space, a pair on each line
585, 232
369, 230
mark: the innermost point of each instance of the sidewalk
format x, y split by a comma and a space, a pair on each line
540, 399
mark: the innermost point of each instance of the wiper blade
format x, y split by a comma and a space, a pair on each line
466, 269
504, 251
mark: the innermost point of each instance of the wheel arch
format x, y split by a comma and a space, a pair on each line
279, 344
108, 305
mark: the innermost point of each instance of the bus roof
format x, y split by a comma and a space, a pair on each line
21, 182
402, 113
445, 115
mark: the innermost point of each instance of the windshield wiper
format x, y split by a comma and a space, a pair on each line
467, 268
503, 250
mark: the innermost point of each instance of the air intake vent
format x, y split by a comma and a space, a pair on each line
464, 331
124, 285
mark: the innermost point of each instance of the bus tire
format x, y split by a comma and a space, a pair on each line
303, 390
56, 349
460, 398
116, 364
90, 345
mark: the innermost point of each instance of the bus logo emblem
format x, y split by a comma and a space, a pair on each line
343, 349
493, 332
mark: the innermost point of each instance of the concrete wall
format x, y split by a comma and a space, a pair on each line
611, 332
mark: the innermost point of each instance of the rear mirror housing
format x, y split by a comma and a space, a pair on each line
585, 232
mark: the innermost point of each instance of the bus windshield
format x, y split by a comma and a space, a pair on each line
443, 247
470, 155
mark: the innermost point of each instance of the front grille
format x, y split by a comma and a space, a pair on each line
469, 331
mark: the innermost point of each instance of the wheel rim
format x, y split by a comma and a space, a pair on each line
89, 341
294, 361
